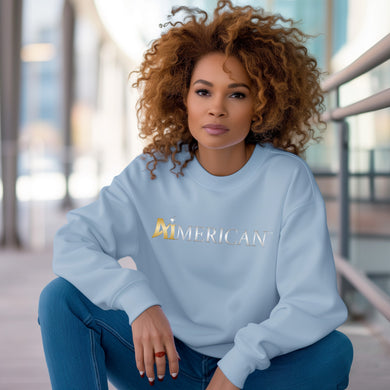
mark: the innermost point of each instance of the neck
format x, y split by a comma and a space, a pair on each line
224, 162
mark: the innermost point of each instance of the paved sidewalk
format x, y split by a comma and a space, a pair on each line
22, 366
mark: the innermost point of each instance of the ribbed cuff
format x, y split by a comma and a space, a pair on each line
236, 367
135, 299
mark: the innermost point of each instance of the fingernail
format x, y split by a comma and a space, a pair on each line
160, 377
142, 374
151, 381
174, 375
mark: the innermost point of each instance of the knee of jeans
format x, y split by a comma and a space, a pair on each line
340, 352
345, 346
53, 299
348, 349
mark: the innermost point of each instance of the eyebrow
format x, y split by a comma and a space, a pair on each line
233, 85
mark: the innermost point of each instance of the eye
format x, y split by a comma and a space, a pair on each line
202, 92
238, 95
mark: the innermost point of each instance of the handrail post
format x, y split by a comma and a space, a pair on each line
343, 179
344, 231
372, 174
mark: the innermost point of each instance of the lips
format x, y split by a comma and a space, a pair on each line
215, 129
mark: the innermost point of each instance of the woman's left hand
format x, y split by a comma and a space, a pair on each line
220, 382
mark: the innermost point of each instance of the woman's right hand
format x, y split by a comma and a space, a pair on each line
151, 334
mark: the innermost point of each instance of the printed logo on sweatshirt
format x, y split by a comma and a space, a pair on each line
230, 236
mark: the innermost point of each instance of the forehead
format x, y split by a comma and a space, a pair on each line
215, 66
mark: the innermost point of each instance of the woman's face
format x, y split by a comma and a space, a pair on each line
220, 104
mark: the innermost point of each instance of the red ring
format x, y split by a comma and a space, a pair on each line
160, 354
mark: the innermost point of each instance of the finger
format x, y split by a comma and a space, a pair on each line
149, 363
159, 356
173, 358
139, 358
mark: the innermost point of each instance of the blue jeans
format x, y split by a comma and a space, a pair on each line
85, 345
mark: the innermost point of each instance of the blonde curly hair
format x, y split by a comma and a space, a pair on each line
288, 96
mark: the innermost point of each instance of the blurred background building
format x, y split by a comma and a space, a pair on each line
76, 125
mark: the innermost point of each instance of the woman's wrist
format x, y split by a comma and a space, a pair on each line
221, 382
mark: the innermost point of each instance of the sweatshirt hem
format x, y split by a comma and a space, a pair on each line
237, 368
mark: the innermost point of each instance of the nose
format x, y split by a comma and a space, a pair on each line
217, 108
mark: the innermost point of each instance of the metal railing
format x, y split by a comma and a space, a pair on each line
375, 56
371, 173
359, 280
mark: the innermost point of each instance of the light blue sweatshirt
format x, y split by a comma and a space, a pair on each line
242, 265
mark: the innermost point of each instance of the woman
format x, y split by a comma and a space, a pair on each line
235, 284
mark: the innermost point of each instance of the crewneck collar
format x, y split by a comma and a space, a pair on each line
218, 183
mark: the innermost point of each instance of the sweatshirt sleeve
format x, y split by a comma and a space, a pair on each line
309, 307
87, 248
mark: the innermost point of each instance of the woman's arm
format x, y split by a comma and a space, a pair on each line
309, 307
86, 251
87, 248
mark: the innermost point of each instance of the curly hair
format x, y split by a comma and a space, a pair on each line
286, 79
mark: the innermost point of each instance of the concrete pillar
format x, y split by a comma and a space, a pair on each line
10, 42
68, 27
